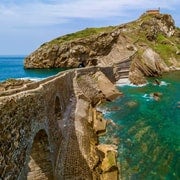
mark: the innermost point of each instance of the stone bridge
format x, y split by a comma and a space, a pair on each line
45, 132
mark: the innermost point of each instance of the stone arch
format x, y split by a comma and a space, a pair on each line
40, 164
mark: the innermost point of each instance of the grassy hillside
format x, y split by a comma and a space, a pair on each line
81, 34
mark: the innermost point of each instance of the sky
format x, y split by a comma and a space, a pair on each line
26, 24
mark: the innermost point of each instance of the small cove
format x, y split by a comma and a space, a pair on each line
146, 131
12, 67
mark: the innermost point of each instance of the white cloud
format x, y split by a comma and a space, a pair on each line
25, 24
42, 13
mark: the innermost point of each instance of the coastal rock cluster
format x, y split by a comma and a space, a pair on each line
13, 84
152, 42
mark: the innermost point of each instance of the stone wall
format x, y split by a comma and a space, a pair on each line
153, 11
50, 108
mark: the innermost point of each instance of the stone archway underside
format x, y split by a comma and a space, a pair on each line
40, 165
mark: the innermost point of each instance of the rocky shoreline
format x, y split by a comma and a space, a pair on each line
151, 43
90, 87
65, 105
100, 89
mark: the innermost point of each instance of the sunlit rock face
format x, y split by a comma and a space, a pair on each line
150, 43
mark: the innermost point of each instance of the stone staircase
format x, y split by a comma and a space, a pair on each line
121, 69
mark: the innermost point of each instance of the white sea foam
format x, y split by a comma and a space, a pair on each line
141, 85
163, 83
127, 82
147, 97
103, 110
32, 79
123, 82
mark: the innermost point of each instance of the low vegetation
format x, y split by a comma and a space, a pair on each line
82, 34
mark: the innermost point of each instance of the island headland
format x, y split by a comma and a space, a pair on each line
49, 129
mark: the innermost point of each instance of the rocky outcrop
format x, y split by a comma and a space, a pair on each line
91, 89
153, 38
13, 84
158, 23
95, 87
109, 165
147, 64
71, 54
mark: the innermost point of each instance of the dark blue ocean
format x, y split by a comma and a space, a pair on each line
12, 67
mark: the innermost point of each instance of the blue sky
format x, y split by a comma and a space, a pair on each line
26, 24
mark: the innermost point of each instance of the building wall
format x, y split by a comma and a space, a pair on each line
152, 12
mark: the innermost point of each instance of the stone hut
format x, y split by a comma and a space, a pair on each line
153, 11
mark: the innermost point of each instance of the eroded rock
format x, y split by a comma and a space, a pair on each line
108, 166
156, 95
13, 84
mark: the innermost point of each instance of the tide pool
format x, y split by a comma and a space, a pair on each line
147, 131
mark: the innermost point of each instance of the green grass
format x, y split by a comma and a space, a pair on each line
165, 48
161, 45
82, 34
166, 51
161, 38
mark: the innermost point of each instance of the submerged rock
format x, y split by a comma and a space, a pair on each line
132, 104
156, 95
157, 82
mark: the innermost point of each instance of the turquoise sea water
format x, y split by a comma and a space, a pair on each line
147, 131
12, 67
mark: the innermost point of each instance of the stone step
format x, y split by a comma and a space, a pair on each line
122, 67
123, 71
123, 81
123, 76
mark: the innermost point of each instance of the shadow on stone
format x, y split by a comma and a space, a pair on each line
40, 165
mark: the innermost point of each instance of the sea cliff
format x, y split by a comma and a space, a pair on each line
151, 42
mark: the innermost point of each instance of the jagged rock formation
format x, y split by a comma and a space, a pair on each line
151, 42
13, 84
